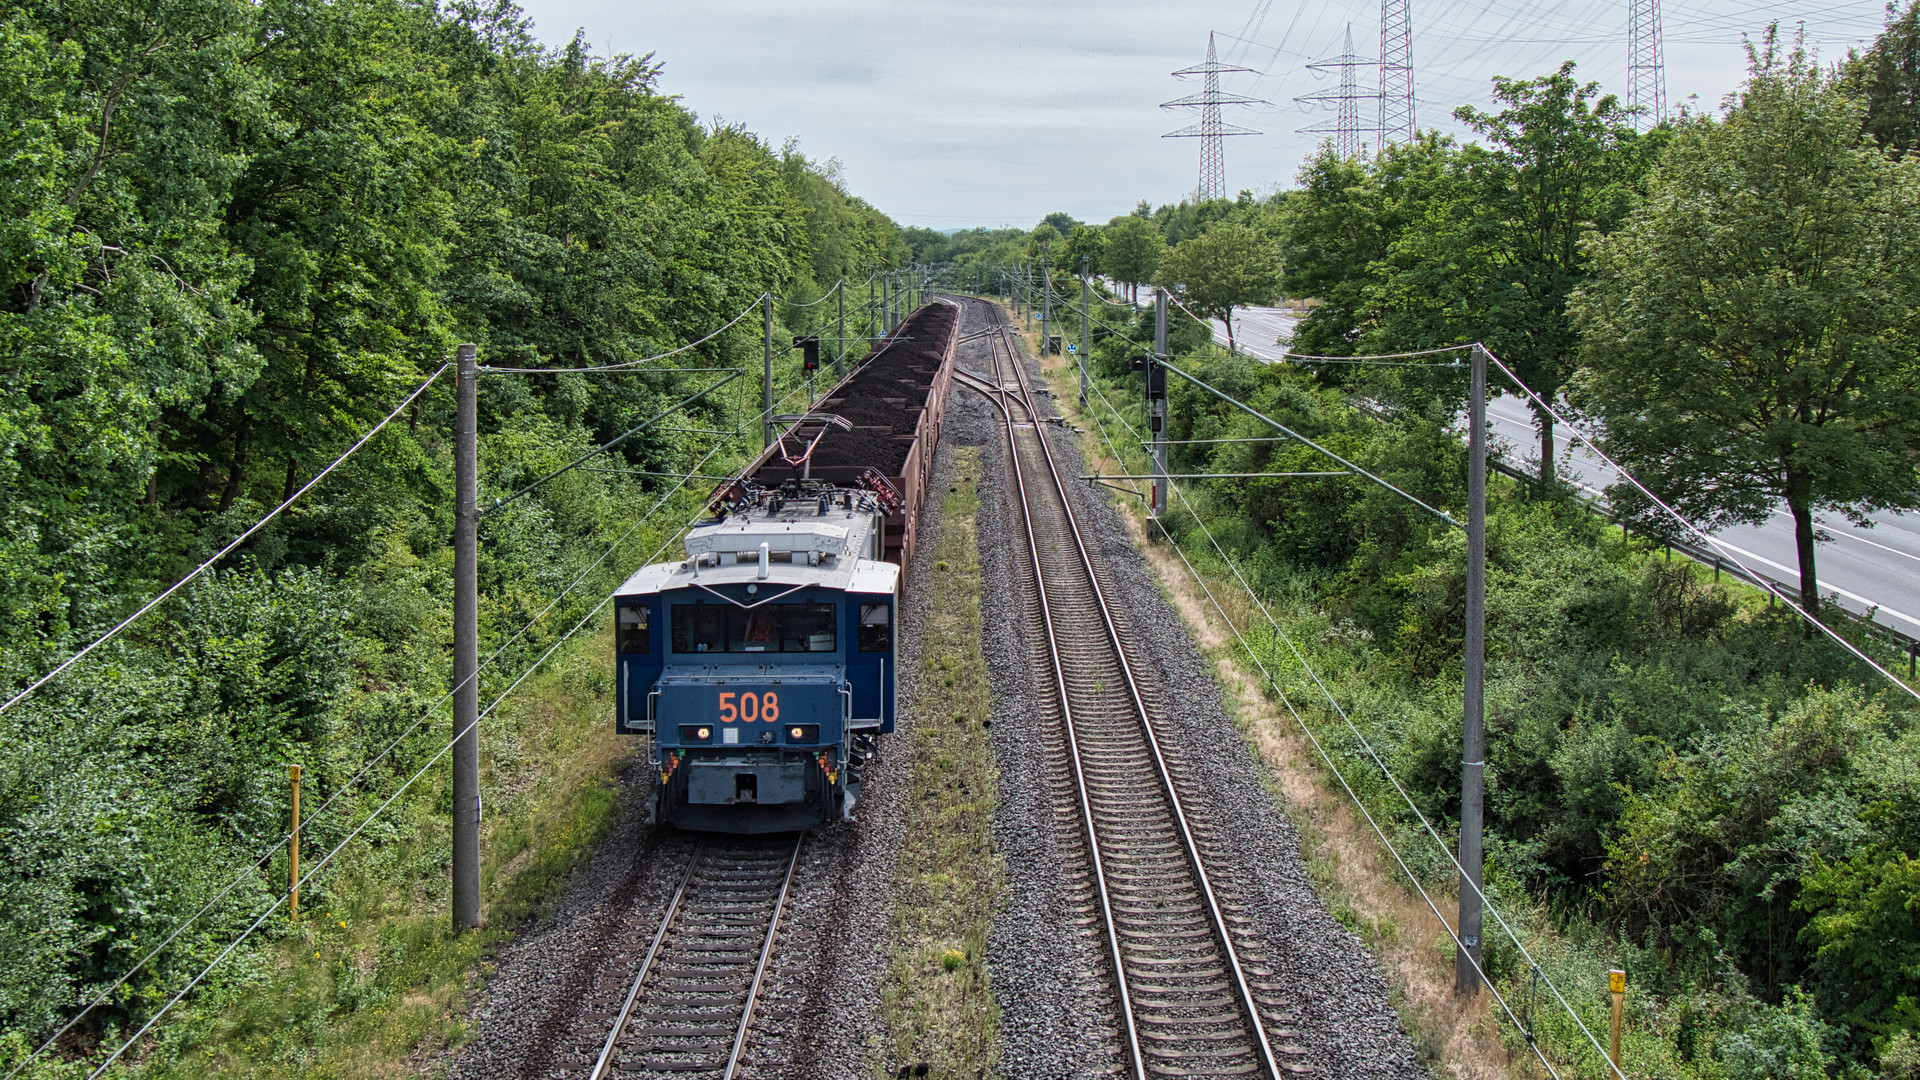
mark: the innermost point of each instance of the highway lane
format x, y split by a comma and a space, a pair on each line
1866, 568
1875, 569
1258, 330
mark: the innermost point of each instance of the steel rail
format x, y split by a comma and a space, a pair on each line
1249, 1007
760, 968
1004, 403
604, 1063
646, 966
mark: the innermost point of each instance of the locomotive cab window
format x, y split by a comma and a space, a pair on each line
876, 627
630, 633
701, 628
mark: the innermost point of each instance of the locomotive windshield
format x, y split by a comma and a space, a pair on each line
699, 628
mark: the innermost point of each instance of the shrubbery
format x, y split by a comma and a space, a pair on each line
1676, 772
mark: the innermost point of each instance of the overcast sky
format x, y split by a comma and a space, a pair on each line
996, 112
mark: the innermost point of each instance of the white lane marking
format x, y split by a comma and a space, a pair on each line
1823, 586
1845, 532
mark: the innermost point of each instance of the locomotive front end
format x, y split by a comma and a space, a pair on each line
760, 667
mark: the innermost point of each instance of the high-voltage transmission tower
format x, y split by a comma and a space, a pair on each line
1211, 130
1646, 63
1346, 128
1396, 71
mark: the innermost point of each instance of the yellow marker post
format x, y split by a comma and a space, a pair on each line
1617, 989
292, 773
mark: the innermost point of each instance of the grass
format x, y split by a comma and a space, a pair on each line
374, 983
936, 1002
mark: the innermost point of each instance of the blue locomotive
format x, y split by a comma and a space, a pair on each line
760, 668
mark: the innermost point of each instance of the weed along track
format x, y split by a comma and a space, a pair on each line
689, 1008
1188, 1004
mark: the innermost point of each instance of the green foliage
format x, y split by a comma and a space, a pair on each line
231, 236
1783, 1043
1887, 78
1133, 250
1749, 334
1675, 773
1227, 266
1866, 931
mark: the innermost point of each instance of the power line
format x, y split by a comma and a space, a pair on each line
1345, 127
748, 310
1211, 129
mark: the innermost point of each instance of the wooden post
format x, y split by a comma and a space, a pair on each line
1617, 989
293, 872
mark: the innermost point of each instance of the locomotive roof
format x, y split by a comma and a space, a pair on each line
820, 548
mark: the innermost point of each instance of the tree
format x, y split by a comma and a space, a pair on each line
1330, 236
1133, 251
1887, 78
1498, 248
1084, 242
1749, 335
1223, 268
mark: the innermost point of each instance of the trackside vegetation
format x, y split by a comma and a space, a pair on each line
937, 999
1683, 781
233, 235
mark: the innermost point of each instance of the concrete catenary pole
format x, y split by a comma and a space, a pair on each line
840, 310
766, 378
1473, 740
466, 647
1086, 315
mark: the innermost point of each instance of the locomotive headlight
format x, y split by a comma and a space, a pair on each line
803, 733
794, 733
692, 734
705, 733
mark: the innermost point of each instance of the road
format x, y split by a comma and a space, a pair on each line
1865, 568
1258, 330
1875, 569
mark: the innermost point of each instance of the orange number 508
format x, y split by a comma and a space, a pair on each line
749, 707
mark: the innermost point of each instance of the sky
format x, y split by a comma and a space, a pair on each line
997, 112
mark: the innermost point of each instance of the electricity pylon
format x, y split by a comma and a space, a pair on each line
1211, 130
1396, 71
1346, 127
1646, 63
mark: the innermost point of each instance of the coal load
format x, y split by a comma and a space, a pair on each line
883, 399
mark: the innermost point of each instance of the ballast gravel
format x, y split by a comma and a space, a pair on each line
1346, 1020
819, 1014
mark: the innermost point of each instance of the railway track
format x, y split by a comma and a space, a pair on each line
1188, 1004
689, 1007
